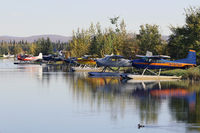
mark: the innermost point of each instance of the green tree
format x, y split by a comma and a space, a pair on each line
44, 46
32, 49
17, 49
80, 43
95, 41
130, 47
3, 50
186, 37
149, 39
114, 21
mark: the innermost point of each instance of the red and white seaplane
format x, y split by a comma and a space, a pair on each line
29, 58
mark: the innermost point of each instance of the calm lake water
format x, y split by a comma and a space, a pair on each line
39, 99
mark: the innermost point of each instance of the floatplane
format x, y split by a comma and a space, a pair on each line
29, 58
147, 62
87, 60
110, 61
86, 63
8, 56
150, 61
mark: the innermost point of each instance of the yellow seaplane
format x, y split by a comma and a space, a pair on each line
86, 63
87, 60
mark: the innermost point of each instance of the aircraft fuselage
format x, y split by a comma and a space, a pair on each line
159, 64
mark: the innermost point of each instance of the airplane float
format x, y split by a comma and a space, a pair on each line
150, 61
30, 58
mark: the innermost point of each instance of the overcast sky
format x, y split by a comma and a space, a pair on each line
36, 17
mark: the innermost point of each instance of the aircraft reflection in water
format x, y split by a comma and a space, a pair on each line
43, 73
183, 98
118, 97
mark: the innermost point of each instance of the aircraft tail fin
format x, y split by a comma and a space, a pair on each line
148, 53
40, 56
191, 58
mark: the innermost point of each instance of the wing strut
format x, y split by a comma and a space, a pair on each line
104, 69
146, 69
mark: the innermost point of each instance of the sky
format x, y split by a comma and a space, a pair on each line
37, 17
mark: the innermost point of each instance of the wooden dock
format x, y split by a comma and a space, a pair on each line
86, 69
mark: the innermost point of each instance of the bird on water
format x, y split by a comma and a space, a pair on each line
140, 126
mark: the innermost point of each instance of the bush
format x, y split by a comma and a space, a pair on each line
190, 74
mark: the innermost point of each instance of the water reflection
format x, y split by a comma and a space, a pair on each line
182, 97
147, 102
44, 73
118, 95
144, 96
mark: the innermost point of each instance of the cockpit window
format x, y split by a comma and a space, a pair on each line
157, 61
115, 60
146, 59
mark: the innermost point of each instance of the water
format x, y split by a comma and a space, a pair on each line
39, 99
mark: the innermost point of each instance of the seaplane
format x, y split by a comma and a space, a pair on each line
110, 61
8, 56
150, 61
29, 58
86, 63
87, 60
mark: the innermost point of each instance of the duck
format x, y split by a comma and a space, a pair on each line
140, 126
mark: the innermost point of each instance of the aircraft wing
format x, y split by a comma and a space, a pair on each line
154, 56
116, 57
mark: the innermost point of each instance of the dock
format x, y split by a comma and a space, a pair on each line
87, 69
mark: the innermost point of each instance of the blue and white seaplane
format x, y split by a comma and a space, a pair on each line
150, 61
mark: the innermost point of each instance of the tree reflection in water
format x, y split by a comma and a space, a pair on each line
146, 97
143, 98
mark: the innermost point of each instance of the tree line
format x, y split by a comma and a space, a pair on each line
116, 40
45, 46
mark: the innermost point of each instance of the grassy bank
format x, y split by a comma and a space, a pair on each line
189, 74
